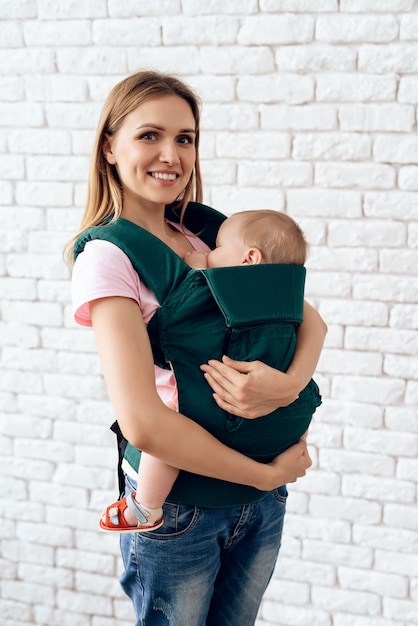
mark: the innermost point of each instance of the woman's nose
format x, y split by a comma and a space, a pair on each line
169, 153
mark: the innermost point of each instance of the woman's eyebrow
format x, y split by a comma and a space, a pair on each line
183, 130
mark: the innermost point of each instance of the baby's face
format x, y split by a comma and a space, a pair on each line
230, 249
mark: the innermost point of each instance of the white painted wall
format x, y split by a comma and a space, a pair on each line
310, 106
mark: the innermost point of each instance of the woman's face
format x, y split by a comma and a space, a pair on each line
154, 152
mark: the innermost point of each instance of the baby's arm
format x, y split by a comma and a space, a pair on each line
196, 260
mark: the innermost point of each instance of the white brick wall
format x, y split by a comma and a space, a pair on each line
310, 106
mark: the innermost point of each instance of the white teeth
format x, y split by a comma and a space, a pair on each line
164, 176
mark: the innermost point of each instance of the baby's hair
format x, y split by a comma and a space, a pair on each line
278, 237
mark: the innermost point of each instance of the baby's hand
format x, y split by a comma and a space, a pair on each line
196, 260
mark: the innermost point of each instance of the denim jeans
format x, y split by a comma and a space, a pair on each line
204, 567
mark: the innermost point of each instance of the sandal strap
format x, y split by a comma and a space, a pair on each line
140, 512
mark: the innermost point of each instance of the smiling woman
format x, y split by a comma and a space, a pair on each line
154, 157
144, 174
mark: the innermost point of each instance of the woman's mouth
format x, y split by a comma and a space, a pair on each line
166, 177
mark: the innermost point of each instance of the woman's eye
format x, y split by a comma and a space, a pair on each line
186, 139
149, 136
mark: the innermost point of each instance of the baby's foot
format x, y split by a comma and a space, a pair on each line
128, 515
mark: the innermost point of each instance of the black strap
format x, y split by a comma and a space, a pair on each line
121, 443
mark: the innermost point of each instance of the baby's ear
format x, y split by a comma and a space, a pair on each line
253, 256
107, 150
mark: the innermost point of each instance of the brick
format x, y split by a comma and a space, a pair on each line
369, 389
376, 233
298, 6
209, 30
56, 168
404, 316
166, 58
218, 89
408, 90
236, 60
401, 609
220, 172
331, 146
38, 313
324, 202
313, 528
339, 29
402, 516
239, 199
48, 9
388, 59
20, 334
25, 9
337, 554
408, 178
390, 340
11, 35
10, 113
53, 576
27, 61
275, 174
395, 563
413, 235
84, 602
406, 261
276, 29
74, 386
295, 593
346, 259
50, 32
355, 175
307, 117
131, 8
39, 141
56, 88
272, 145
334, 600
76, 115
349, 313
376, 117
366, 6
291, 89
91, 60
346, 361
317, 58
385, 442
401, 366
383, 489
398, 288
350, 509
12, 167
407, 470
85, 561
133, 32
395, 149
241, 7
408, 27
28, 593
41, 194
229, 117
398, 205
11, 88
355, 88
345, 462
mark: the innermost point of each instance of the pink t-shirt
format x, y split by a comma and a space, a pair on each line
103, 270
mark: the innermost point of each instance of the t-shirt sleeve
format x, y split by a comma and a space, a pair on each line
102, 270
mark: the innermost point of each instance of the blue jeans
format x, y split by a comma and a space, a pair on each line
204, 567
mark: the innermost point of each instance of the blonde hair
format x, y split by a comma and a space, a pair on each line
104, 190
278, 237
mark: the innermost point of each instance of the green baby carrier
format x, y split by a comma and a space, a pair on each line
248, 312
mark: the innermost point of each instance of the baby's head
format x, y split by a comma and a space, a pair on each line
260, 236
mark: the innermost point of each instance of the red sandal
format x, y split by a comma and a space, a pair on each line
115, 520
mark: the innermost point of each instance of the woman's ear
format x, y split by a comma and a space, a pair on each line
253, 256
107, 150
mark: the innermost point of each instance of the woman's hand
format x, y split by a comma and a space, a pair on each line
250, 389
291, 464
